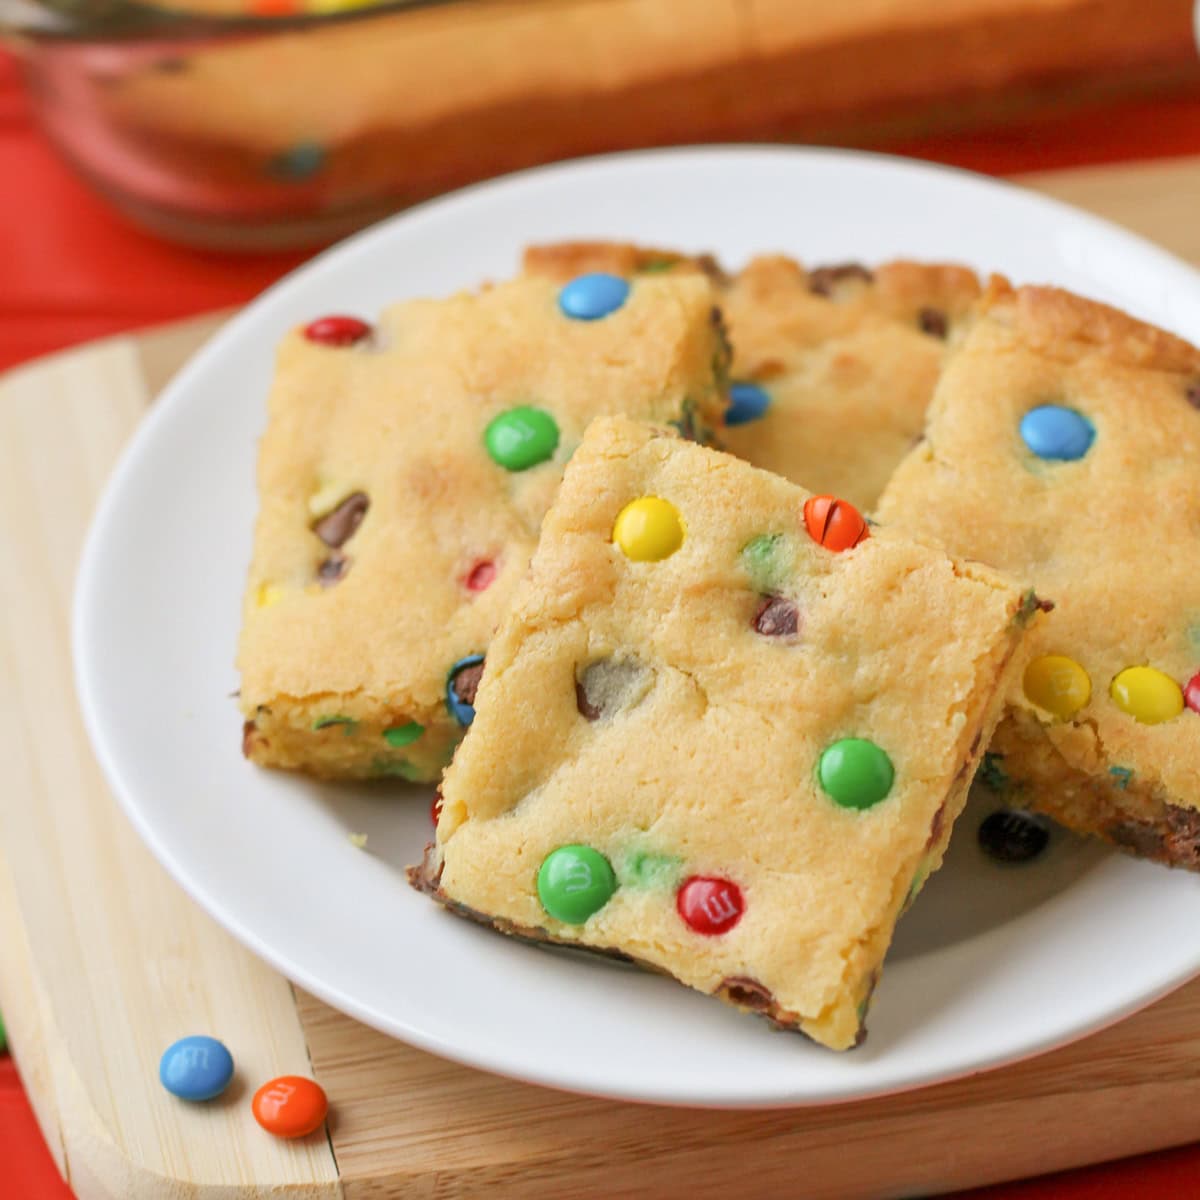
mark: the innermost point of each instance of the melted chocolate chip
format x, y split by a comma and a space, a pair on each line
822, 281
1013, 835
466, 683
1183, 838
333, 569
585, 706
337, 528
933, 322
746, 993
1193, 394
777, 617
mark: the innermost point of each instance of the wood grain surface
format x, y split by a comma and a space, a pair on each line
104, 961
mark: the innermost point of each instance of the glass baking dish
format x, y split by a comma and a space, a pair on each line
224, 125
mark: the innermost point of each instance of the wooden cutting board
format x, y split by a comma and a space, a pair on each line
104, 961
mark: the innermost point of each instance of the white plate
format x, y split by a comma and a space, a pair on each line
992, 964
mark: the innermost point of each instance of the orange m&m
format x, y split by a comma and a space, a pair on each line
835, 524
290, 1106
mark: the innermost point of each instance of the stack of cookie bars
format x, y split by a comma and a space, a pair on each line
722, 722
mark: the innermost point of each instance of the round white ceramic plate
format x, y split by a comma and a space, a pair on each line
993, 964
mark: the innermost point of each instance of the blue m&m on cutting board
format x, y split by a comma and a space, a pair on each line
196, 1068
1057, 433
590, 297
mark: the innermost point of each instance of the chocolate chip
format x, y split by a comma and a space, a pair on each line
1183, 839
822, 281
466, 683
777, 617
585, 706
1193, 394
336, 528
933, 322
1013, 835
333, 569
745, 993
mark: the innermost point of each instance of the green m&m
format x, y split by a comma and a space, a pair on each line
403, 735
855, 773
521, 438
574, 882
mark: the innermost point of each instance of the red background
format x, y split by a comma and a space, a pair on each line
72, 270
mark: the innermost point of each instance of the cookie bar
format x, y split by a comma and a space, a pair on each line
833, 367
403, 477
1064, 444
724, 731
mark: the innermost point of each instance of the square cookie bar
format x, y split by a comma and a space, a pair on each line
403, 477
1064, 445
833, 368
724, 731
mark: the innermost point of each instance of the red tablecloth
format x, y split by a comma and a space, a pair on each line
72, 270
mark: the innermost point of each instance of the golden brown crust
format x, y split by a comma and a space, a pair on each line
564, 260
1056, 321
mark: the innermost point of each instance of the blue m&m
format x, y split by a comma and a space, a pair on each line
196, 1068
461, 685
1057, 433
590, 297
747, 402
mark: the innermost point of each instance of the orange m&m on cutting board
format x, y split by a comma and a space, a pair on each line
835, 524
290, 1106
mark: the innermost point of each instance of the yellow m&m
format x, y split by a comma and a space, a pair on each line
1147, 695
648, 529
267, 594
1058, 684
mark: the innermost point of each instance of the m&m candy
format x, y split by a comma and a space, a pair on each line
403, 735
590, 297
1191, 693
1147, 695
196, 1068
521, 438
710, 905
574, 882
855, 773
835, 524
290, 1106
648, 529
337, 331
1058, 684
1012, 835
1057, 433
747, 402
461, 685
481, 576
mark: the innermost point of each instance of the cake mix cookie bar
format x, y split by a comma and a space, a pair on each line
1064, 445
833, 367
724, 731
403, 477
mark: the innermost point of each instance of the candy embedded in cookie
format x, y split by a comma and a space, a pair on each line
833, 366
699, 741
1063, 445
404, 473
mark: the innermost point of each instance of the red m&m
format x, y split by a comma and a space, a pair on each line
835, 524
290, 1106
481, 576
709, 905
1191, 693
336, 331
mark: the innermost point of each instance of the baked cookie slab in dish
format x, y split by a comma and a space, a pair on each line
833, 366
724, 731
1064, 444
402, 478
